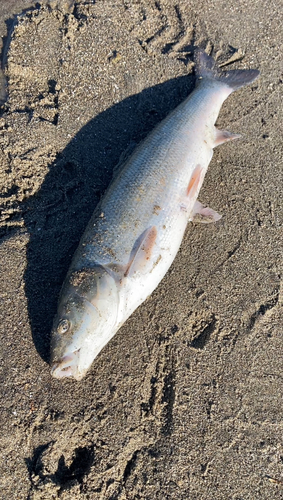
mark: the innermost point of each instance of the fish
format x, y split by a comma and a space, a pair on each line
138, 226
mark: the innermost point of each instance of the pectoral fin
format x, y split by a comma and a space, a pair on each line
139, 259
141, 252
204, 214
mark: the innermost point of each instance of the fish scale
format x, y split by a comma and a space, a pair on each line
137, 228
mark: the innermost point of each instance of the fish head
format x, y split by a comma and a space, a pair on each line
84, 323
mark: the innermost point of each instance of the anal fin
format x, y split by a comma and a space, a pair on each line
222, 136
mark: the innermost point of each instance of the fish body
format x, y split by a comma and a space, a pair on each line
137, 228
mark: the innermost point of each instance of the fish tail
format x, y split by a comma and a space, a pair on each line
206, 68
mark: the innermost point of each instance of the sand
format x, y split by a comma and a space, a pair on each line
185, 402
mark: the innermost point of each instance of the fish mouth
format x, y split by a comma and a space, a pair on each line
67, 367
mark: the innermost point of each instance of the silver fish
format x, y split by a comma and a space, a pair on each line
137, 228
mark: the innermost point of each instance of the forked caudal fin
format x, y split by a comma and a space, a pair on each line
206, 68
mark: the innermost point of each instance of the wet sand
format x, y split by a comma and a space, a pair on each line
185, 402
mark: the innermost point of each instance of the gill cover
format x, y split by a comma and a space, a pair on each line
87, 314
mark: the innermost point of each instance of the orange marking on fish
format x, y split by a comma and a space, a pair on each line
149, 242
194, 181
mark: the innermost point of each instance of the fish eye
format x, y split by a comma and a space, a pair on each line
63, 326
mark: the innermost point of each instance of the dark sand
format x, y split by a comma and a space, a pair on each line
185, 402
